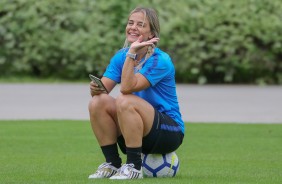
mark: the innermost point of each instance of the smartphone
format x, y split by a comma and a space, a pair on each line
99, 82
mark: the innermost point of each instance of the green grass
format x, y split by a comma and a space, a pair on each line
67, 152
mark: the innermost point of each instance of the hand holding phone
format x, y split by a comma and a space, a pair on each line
98, 81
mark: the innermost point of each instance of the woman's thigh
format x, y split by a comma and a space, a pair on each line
165, 136
144, 109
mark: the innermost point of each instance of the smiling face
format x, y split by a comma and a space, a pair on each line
138, 25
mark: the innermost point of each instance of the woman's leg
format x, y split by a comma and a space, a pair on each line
135, 117
103, 117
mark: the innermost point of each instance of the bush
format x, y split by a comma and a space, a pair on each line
55, 38
210, 41
225, 41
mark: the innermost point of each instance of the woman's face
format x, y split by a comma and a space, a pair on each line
138, 25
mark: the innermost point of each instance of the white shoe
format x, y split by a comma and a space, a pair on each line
127, 171
105, 170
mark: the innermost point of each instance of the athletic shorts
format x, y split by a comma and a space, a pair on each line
165, 136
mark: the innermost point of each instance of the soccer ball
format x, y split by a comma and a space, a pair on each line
160, 165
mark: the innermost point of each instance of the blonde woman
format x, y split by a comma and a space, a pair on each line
145, 117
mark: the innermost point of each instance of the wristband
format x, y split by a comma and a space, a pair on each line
132, 56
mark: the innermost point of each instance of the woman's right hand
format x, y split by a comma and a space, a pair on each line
94, 89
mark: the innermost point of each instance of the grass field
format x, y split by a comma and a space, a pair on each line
67, 152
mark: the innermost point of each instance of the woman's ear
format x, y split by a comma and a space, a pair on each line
151, 36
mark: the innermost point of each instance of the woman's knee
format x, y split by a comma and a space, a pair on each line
98, 102
124, 102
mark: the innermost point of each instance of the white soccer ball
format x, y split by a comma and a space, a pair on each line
160, 165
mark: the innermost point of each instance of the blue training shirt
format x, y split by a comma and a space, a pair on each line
159, 71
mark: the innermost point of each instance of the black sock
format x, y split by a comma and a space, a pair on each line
111, 154
134, 156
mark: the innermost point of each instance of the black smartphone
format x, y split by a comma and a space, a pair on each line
99, 82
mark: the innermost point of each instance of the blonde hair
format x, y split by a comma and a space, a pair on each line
154, 24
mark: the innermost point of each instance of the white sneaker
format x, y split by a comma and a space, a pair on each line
127, 171
105, 170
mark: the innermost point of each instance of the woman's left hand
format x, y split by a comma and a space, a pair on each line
139, 44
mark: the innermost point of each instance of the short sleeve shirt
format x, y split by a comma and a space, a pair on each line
160, 72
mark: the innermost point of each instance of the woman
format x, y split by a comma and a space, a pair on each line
145, 117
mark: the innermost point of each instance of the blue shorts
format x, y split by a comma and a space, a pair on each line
165, 136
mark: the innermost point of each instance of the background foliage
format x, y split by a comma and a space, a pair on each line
210, 41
